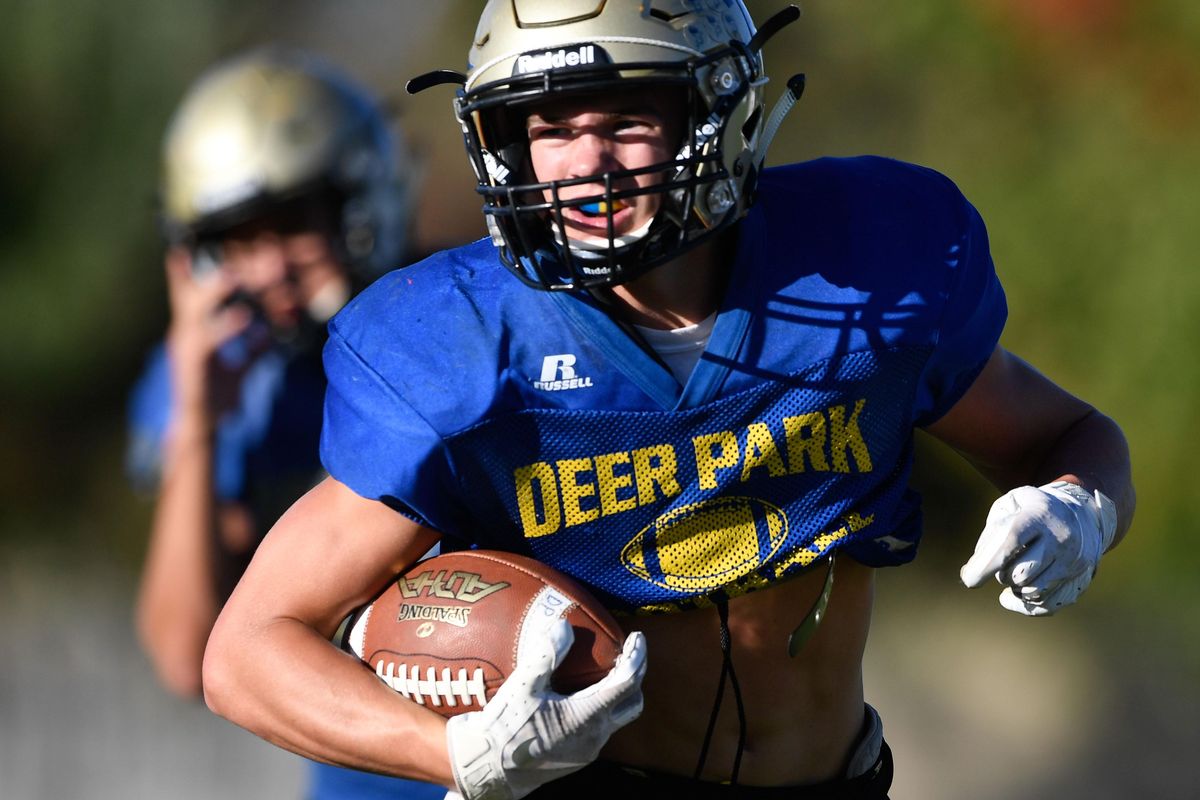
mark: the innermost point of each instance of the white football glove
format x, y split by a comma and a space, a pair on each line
528, 734
1043, 544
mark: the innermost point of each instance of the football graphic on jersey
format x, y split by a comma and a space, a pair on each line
445, 633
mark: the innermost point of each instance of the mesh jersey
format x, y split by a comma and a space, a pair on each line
862, 302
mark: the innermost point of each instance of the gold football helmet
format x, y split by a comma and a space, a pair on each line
528, 51
273, 125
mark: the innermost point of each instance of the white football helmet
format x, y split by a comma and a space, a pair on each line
272, 126
528, 51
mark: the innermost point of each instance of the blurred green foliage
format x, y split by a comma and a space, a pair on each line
87, 87
1073, 125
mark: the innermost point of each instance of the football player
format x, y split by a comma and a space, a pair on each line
282, 193
690, 382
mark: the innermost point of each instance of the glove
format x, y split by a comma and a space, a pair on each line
528, 734
1043, 544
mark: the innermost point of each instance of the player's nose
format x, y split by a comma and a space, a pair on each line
269, 262
593, 153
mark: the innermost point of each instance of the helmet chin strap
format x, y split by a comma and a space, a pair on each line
795, 88
587, 248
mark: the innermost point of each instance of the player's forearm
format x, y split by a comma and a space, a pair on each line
177, 601
1094, 453
284, 682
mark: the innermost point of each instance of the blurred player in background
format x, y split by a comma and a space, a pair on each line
688, 381
284, 191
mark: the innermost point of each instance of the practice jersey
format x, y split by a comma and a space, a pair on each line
264, 445
267, 438
861, 303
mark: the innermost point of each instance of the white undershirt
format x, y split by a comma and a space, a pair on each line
680, 348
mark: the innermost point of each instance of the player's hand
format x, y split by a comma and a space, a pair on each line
200, 323
1043, 544
528, 734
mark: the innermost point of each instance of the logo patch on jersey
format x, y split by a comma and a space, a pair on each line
706, 545
558, 374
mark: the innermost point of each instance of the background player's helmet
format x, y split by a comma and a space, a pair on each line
273, 126
527, 51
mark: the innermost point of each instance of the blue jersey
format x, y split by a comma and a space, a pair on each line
264, 446
861, 303
265, 456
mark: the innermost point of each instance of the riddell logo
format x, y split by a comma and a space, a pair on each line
558, 373
579, 56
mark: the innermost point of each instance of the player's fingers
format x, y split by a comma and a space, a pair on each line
229, 322
620, 689
178, 265
997, 545
1066, 593
537, 649
1030, 564
215, 288
542, 646
628, 672
630, 666
1029, 608
1005, 535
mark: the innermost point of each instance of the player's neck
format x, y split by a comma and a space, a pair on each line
679, 293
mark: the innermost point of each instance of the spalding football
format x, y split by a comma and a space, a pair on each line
445, 633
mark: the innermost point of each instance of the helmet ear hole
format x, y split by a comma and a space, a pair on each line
751, 125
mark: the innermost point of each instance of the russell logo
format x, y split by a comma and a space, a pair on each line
581, 55
558, 373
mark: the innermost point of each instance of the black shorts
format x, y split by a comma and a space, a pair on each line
606, 779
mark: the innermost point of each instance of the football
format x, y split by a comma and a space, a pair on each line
444, 634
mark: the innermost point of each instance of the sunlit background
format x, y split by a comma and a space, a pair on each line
1073, 125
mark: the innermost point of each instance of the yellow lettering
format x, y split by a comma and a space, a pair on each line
760, 450
574, 492
708, 462
525, 479
611, 483
844, 435
655, 466
805, 433
855, 522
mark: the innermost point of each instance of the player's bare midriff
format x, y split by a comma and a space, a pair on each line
803, 714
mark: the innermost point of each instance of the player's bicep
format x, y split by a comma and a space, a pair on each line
331, 552
1009, 419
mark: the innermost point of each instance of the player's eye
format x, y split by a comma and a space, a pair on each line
637, 123
539, 132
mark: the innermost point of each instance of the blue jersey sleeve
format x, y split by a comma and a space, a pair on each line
148, 414
376, 443
973, 316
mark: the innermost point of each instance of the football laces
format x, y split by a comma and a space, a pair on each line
444, 689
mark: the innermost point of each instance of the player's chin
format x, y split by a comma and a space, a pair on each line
284, 318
